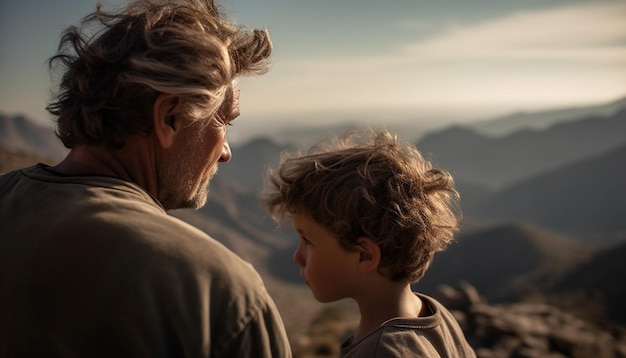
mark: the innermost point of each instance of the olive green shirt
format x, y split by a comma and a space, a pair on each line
93, 266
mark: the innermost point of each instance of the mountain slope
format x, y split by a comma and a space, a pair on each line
505, 262
499, 162
601, 279
586, 200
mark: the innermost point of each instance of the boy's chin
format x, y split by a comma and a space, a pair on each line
324, 299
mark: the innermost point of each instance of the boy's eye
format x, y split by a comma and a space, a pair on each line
305, 241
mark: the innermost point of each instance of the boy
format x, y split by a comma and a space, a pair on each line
371, 212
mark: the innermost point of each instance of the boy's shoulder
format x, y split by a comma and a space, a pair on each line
435, 335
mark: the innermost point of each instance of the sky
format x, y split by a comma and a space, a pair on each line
421, 60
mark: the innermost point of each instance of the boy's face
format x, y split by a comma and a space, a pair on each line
329, 270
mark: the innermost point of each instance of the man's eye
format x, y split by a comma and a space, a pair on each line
222, 120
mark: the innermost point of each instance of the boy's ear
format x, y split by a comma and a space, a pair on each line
369, 255
164, 117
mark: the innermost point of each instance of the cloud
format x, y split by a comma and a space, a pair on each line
589, 32
545, 58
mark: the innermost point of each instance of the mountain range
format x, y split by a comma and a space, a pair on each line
566, 178
543, 211
540, 120
496, 162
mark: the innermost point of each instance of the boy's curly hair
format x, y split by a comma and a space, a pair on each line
116, 64
368, 183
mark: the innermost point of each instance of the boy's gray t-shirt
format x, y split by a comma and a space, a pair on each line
435, 335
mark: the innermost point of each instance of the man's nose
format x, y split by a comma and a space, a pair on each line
226, 153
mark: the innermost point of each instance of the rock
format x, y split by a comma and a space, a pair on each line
459, 298
527, 330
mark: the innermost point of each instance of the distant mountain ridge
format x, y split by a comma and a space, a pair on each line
19, 132
251, 161
541, 120
499, 162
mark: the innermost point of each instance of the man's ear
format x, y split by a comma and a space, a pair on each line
369, 255
164, 116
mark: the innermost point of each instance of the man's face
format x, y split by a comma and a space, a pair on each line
185, 169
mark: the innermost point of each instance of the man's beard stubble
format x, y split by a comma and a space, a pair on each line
181, 183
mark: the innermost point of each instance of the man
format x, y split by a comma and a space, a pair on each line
90, 263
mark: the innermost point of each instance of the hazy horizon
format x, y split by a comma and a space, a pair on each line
409, 124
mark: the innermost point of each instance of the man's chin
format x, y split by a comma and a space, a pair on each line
193, 200
197, 201
192, 204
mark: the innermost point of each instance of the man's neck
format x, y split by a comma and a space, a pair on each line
134, 163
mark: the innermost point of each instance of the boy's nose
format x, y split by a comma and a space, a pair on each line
297, 257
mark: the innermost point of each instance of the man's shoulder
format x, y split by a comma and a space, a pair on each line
8, 179
155, 235
106, 227
121, 221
